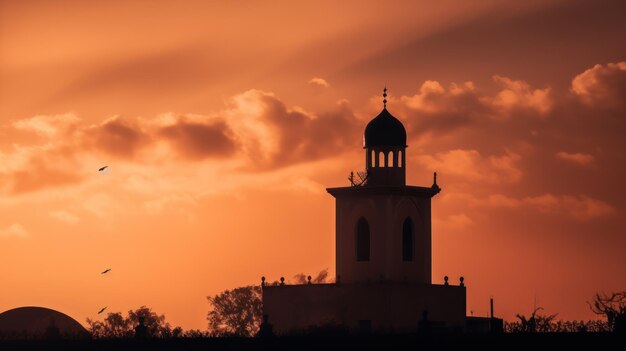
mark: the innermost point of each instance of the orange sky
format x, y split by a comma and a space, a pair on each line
223, 123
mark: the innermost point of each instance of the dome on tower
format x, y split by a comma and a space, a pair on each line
384, 130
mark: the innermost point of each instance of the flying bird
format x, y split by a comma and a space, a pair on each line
106, 271
102, 169
102, 310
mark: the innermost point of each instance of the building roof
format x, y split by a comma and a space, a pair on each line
33, 322
384, 130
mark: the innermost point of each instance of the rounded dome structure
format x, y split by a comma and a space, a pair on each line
39, 322
384, 130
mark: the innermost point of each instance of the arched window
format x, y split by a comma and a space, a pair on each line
407, 240
373, 158
362, 240
389, 158
400, 164
381, 159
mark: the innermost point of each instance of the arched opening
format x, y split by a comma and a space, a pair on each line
373, 158
389, 157
400, 164
407, 240
362, 240
381, 159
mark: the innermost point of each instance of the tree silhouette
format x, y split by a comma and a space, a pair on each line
235, 312
535, 323
238, 312
115, 325
613, 307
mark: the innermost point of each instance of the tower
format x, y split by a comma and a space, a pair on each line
383, 253
384, 142
383, 226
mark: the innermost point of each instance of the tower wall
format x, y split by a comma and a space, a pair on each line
385, 210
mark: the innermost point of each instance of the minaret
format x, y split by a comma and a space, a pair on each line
383, 227
385, 144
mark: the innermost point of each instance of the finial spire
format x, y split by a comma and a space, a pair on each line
385, 97
435, 178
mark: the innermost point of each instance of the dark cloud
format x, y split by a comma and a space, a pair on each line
302, 136
199, 140
38, 176
116, 136
522, 132
435, 109
552, 131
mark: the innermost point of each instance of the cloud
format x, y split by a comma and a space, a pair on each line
517, 94
256, 131
582, 207
170, 202
470, 165
15, 230
440, 110
256, 126
459, 221
602, 85
319, 82
47, 125
579, 207
116, 136
65, 216
429, 97
100, 204
38, 175
577, 158
437, 109
199, 140
20, 156
274, 135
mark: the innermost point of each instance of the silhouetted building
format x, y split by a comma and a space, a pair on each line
383, 253
32, 322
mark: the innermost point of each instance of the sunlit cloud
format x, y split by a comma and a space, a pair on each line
319, 82
517, 94
577, 157
14, 230
470, 165
456, 221
438, 110
580, 207
65, 216
38, 175
602, 85
47, 125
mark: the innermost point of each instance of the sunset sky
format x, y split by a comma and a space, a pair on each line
223, 122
